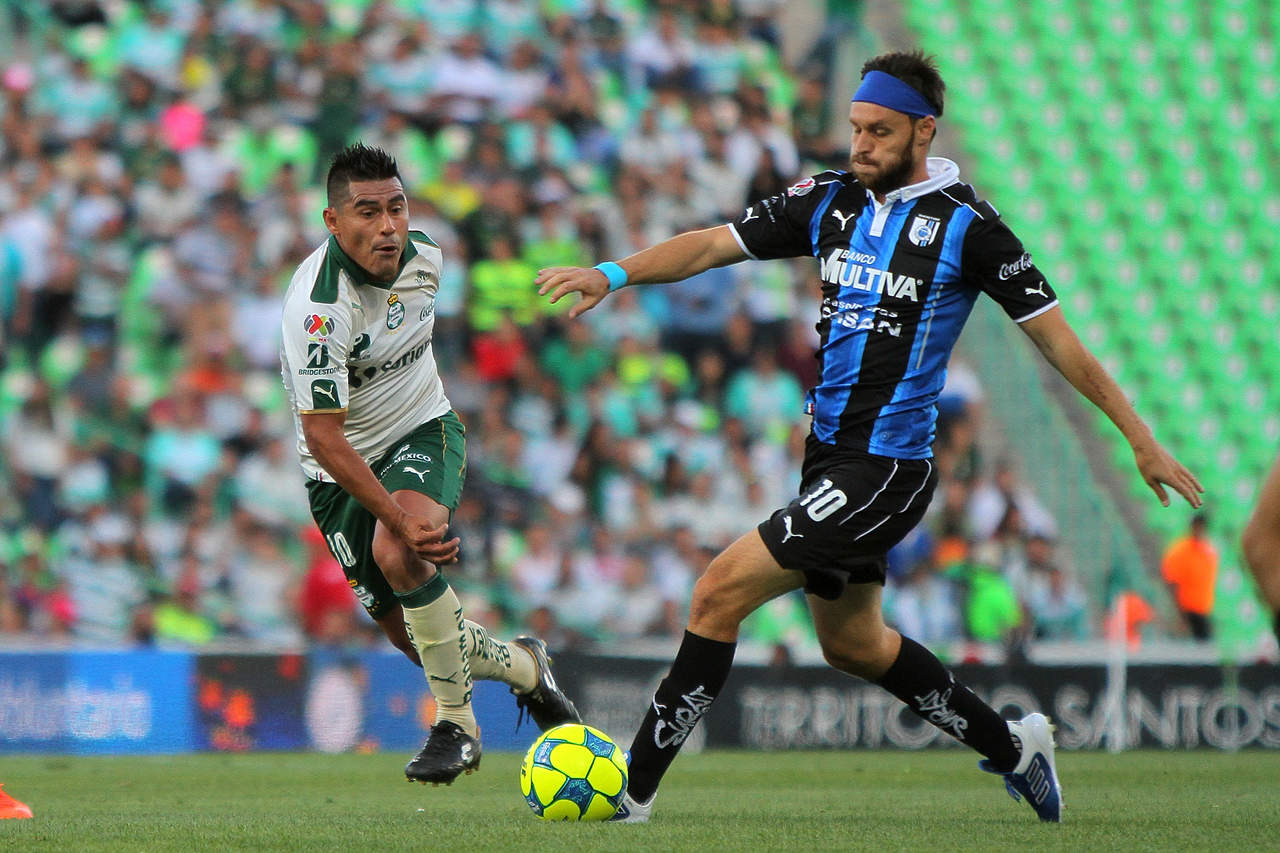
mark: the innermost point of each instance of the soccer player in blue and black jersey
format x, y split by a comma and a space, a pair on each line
903, 249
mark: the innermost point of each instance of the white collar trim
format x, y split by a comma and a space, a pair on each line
942, 173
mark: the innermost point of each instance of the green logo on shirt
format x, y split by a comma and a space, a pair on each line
395, 312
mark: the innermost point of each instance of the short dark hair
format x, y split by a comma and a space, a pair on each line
914, 68
357, 162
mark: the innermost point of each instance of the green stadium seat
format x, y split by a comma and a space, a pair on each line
1152, 203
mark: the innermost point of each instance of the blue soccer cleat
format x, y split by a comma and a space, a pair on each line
1035, 777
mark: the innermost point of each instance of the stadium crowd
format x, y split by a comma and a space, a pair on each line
159, 179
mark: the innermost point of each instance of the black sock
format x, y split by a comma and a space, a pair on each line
697, 674
930, 690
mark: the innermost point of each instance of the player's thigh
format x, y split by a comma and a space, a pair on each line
431, 461
424, 474
348, 530
740, 579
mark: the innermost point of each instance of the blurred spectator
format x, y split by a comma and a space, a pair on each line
1190, 567
11, 618
325, 604
466, 81
991, 610
926, 606
784, 621
180, 618
107, 590
662, 53
165, 203
263, 588
181, 452
637, 607
152, 47
266, 487
1056, 606
536, 571
764, 397
700, 308
994, 498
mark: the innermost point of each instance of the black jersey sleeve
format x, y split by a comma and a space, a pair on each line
994, 261
778, 226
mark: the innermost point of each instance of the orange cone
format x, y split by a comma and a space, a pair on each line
9, 807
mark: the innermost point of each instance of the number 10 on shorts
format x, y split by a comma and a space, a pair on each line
823, 500
340, 548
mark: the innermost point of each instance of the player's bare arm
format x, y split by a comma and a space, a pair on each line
1063, 349
329, 445
675, 259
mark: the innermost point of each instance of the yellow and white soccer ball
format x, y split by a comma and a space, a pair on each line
574, 772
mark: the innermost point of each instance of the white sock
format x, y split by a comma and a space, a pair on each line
438, 633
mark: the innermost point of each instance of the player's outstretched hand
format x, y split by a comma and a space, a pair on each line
1160, 469
561, 281
429, 542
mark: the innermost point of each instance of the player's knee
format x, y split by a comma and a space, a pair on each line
863, 657
394, 560
715, 607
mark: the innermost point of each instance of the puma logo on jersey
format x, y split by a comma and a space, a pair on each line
422, 475
1038, 290
449, 679
844, 220
329, 397
791, 534
750, 215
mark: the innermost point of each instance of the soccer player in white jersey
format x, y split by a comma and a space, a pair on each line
385, 455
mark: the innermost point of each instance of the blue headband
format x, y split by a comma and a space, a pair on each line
888, 91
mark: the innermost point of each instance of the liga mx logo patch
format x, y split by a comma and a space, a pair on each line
923, 230
318, 325
802, 188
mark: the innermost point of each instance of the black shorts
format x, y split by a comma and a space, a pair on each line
852, 508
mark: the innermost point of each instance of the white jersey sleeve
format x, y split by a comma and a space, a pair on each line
316, 338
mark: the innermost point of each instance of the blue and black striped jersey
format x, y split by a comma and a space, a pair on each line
898, 282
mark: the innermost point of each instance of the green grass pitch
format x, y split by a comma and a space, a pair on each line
807, 801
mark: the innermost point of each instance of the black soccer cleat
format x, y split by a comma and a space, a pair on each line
546, 702
448, 752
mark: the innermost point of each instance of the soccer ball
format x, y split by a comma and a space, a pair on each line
574, 772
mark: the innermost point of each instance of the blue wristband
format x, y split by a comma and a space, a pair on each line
617, 275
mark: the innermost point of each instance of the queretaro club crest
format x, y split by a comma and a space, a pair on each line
923, 230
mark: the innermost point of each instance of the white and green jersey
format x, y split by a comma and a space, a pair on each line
364, 347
